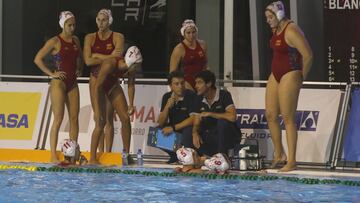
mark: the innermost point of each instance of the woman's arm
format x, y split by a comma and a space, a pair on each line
295, 38
204, 47
176, 56
118, 40
131, 90
89, 60
79, 61
49, 46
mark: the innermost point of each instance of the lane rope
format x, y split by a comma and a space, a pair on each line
310, 181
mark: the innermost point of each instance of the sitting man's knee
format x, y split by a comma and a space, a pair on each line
223, 123
187, 130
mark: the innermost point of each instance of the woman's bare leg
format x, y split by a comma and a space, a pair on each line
109, 126
119, 103
289, 89
73, 106
272, 117
92, 83
99, 118
57, 96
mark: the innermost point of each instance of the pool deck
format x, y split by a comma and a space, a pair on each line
300, 171
114, 159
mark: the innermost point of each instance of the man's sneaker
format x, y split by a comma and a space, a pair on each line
173, 159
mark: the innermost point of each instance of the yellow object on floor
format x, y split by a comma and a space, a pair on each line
43, 156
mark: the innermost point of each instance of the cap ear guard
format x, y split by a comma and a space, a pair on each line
278, 9
280, 15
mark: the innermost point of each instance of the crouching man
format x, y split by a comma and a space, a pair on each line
215, 129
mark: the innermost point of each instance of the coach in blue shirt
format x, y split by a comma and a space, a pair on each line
215, 130
178, 108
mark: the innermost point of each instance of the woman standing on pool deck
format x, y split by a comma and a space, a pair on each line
66, 51
292, 59
98, 47
190, 54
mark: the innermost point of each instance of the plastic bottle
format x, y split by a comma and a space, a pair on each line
235, 162
254, 161
124, 158
140, 160
242, 156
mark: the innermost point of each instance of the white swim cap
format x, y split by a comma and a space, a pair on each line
278, 9
68, 147
108, 13
217, 163
187, 24
64, 16
185, 156
133, 55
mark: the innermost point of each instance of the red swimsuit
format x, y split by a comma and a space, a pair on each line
66, 60
194, 62
285, 58
105, 47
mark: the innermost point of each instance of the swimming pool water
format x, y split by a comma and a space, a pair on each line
25, 186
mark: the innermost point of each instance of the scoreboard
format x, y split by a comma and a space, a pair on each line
342, 40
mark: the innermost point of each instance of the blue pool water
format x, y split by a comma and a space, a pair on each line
25, 186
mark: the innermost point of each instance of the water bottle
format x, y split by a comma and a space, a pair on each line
242, 156
254, 161
235, 162
140, 160
234, 159
124, 158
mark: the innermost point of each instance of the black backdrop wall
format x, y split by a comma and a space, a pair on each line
153, 25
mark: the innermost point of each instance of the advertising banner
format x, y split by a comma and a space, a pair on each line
21, 111
147, 103
352, 137
86, 122
147, 107
315, 119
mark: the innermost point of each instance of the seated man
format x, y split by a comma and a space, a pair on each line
215, 130
177, 111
